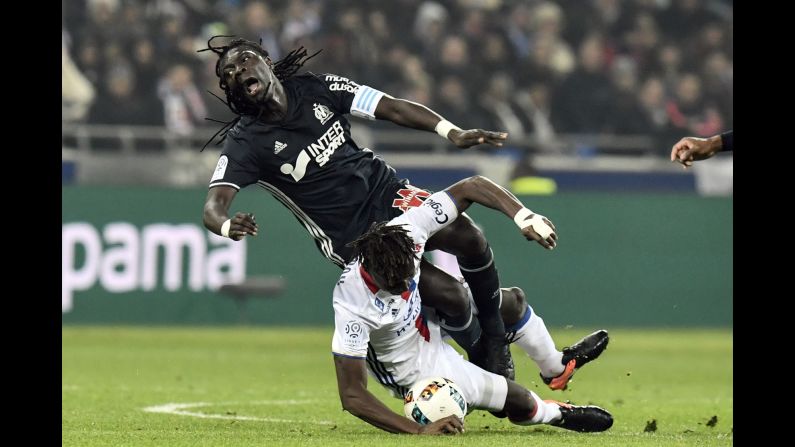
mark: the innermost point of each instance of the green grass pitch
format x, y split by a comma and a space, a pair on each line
276, 387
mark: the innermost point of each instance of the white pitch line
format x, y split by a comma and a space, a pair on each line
179, 409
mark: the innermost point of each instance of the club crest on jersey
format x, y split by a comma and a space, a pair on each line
278, 146
322, 113
409, 198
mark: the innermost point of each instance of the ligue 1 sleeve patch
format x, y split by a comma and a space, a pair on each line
353, 337
220, 168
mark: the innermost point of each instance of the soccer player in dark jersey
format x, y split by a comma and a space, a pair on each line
292, 139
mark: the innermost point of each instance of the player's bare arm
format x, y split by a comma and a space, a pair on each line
216, 213
417, 116
356, 399
690, 149
479, 189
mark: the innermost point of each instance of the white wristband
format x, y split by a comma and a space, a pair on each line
444, 127
523, 220
225, 227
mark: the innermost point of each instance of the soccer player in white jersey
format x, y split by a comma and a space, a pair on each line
380, 326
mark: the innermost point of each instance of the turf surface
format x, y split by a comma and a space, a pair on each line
276, 386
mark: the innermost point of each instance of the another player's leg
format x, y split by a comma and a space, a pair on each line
451, 301
488, 391
526, 329
476, 262
525, 407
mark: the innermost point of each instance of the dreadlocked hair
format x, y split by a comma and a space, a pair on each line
387, 250
284, 68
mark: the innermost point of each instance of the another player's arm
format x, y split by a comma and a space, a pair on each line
356, 399
690, 149
417, 116
479, 189
216, 213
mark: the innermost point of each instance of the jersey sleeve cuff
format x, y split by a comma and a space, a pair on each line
225, 184
348, 356
727, 141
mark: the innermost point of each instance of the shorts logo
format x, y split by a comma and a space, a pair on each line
278, 147
220, 168
409, 198
322, 113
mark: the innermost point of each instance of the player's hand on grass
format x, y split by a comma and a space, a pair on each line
472, 137
541, 230
450, 425
241, 225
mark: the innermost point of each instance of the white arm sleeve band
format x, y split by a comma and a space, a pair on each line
365, 102
225, 227
444, 127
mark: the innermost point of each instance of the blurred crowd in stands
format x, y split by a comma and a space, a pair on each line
534, 68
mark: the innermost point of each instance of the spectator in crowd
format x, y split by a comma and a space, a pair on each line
500, 100
718, 77
183, 106
653, 104
121, 105
302, 19
585, 96
143, 57
259, 23
89, 61
626, 108
459, 106
567, 49
77, 93
690, 112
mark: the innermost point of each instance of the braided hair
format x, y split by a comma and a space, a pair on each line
387, 250
283, 69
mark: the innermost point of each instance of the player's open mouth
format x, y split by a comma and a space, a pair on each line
252, 86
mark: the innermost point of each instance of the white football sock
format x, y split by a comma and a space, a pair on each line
545, 412
534, 338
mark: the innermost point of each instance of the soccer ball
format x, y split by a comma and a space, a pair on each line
432, 399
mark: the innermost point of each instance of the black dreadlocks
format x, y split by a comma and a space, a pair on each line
386, 250
237, 103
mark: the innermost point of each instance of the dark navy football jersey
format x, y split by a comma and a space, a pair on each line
309, 162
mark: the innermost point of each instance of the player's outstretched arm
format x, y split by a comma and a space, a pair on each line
216, 217
690, 149
479, 189
417, 116
352, 385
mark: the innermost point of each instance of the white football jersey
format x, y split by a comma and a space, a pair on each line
387, 329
